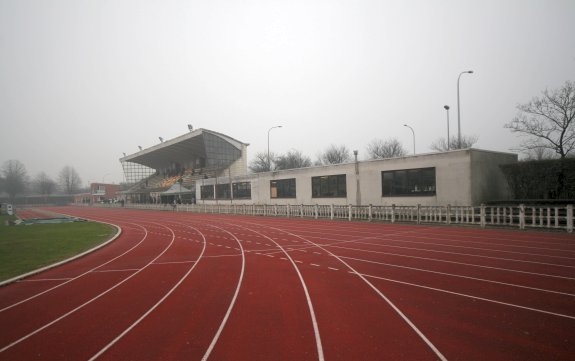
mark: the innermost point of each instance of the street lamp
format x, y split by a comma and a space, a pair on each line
269, 163
458, 111
413, 132
447, 110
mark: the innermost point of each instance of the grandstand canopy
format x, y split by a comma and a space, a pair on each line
200, 143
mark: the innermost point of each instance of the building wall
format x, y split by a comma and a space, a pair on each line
462, 177
487, 180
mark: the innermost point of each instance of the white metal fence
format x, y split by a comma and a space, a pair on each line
522, 216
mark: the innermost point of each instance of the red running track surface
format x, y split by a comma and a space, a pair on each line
177, 286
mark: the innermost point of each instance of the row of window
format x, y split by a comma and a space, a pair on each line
397, 183
240, 190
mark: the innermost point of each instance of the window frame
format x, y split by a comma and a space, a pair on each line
285, 187
240, 191
405, 182
329, 186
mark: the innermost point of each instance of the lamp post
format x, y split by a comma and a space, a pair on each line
269, 130
413, 132
447, 110
458, 110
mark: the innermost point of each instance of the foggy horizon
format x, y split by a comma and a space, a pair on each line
81, 83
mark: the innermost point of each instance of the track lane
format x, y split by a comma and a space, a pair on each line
66, 304
462, 326
287, 331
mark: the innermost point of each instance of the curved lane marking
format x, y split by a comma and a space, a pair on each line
307, 295
127, 330
79, 276
387, 300
232, 303
84, 304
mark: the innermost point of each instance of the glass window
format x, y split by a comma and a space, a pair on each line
408, 182
207, 192
223, 191
242, 190
283, 188
329, 186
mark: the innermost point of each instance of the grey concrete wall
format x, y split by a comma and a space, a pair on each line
463, 177
487, 180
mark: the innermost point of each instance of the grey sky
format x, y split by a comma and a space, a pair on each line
82, 81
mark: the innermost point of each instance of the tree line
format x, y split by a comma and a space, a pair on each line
338, 154
14, 180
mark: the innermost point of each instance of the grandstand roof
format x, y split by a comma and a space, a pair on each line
178, 149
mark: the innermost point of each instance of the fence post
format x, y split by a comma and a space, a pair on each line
570, 218
522, 216
349, 211
448, 215
482, 216
301, 210
315, 211
288, 210
393, 213
331, 211
419, 214
370, 213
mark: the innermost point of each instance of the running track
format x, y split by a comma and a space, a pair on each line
177, 286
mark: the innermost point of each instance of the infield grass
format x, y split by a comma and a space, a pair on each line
26, 248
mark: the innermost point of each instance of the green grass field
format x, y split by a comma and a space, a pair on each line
26, 248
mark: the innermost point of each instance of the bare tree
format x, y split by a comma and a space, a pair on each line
43, 184
293, 159
261, 163
69, 180
540, 153
381, 149
334, 154
548, 121
467, 141
15, 178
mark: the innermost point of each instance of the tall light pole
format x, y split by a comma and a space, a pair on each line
269, 162
413, 132
458, 110
446, 107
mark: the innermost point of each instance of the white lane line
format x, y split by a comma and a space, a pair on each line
460, 276
232, 303
318, 342
455, 262
313, 264
117, 270
333, 269
81, 275
174, 262
384, 297
465, 247
45, 279
298, 261
473, 255
470, 296
107, 347
86, 303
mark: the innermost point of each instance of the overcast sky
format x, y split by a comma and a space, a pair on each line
82, 81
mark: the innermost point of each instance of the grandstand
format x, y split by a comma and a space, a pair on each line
168, 171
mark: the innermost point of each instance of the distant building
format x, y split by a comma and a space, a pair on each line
169, 171
99, 193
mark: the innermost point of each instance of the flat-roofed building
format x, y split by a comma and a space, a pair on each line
458, 177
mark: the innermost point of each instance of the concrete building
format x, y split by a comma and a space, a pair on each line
458, 177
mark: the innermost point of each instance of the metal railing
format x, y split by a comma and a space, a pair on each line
522, 216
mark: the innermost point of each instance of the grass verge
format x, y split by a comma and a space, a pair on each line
26, 248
